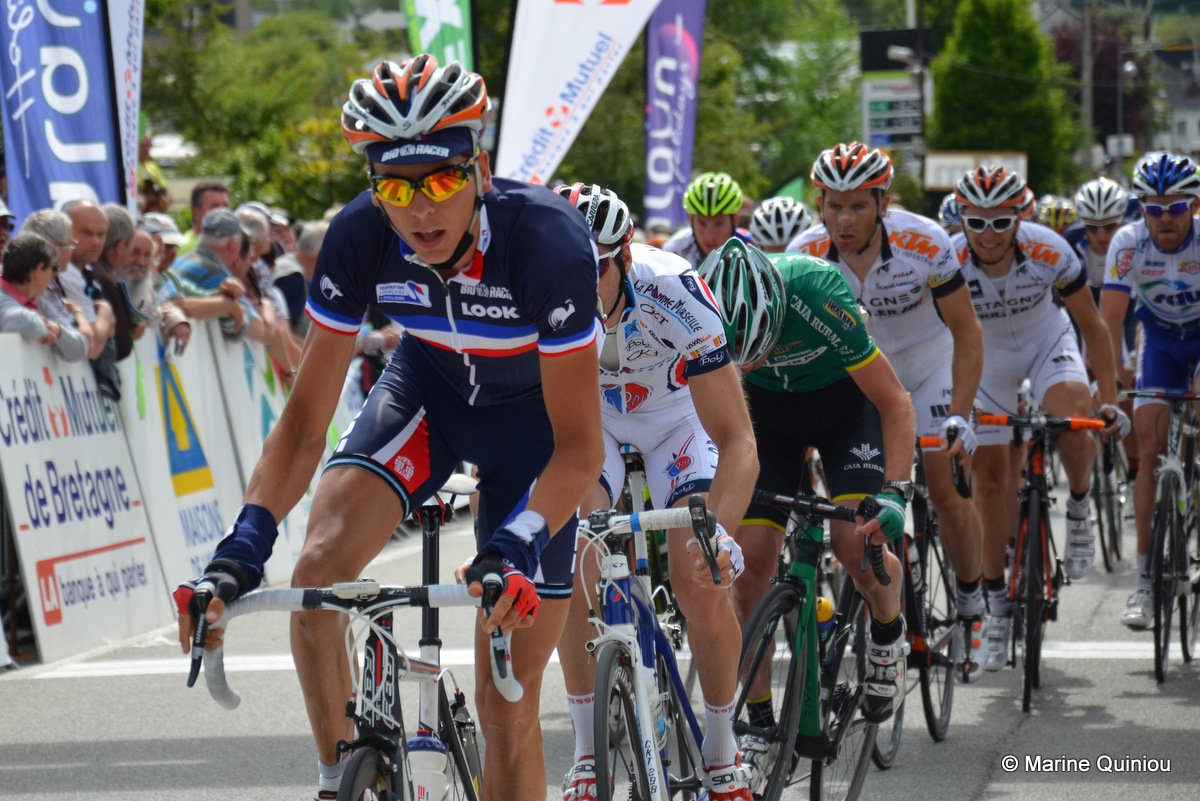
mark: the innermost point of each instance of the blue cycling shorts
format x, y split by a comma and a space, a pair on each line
413, 431
1166, 363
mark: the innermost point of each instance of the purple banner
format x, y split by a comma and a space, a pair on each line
60, 129
673, 40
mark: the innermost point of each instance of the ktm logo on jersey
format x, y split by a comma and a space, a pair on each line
1047, 254
818, 247
917, 243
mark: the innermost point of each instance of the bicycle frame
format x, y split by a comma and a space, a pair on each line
628, 618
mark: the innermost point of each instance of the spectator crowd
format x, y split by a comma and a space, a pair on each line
87, 280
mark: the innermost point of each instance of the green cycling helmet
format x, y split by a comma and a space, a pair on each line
750, 295
711, 194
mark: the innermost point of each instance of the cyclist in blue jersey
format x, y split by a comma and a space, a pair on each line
1156, 263
496, 289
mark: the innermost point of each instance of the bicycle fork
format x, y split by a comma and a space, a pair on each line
616, 585
809, 743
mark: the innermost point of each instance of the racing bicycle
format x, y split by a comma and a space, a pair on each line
1175, 545
1037, 572
816, 674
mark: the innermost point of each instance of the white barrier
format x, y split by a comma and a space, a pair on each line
114, 506
83, 539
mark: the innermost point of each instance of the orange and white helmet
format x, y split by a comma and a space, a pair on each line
432, 112
991, 188
844, 168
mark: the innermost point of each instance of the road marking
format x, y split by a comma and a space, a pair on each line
465, 657
1106, 650
48, 766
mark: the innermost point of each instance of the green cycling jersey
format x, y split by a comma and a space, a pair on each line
823, 337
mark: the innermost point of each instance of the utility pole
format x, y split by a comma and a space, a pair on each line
1085, 68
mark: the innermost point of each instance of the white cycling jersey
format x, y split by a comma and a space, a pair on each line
1017, 311
683, 244
1166, 286
916, 265
669, 331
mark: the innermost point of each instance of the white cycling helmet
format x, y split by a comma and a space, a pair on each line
991, 188
607, 215
412, 99
844, 168
751, 297
1101, 201
778, 221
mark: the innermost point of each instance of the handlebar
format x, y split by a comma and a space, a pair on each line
1178, 397
962, 483
812, 506
696, 516
344, 597
1044, 422
500, 643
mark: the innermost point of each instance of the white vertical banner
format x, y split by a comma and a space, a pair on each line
86, 552
564, 53
126, 19
178, 437
253, 391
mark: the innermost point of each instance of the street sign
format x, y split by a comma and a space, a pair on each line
1119, 146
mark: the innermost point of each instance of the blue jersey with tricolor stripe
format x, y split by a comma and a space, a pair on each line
530, 291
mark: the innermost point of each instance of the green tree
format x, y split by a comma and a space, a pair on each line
997, 86
262, 108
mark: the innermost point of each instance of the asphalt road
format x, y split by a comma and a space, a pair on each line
118, 724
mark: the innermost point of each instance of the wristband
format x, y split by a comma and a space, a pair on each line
248, 543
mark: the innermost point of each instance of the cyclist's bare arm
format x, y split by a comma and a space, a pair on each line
721, 407
294, 446
571, 390
1099, 344
966, 367
878, 382
1114, 304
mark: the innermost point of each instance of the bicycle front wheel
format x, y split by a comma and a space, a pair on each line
620, 771
366, 777
941, 635
1166, 533
772, 667
681, 758
1031, 589
457, 730
847, 735
1100, 498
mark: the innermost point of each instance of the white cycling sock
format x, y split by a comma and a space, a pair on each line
1143, 562
720, 746
1078, 508
331, 775
998, 602
970, 605
583, 714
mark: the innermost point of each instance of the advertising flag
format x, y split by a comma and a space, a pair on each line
673, 42
62, 126
564, 53
441, 28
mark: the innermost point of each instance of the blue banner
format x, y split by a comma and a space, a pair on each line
673, 42
60, 125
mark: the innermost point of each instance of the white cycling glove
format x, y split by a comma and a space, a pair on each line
729, 545
1119, 417
964, 432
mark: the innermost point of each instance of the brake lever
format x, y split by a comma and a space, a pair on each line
704, 523
872, 554
205, 591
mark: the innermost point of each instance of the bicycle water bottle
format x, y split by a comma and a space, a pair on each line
427, 758
914, 563
825, 620
656, 708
